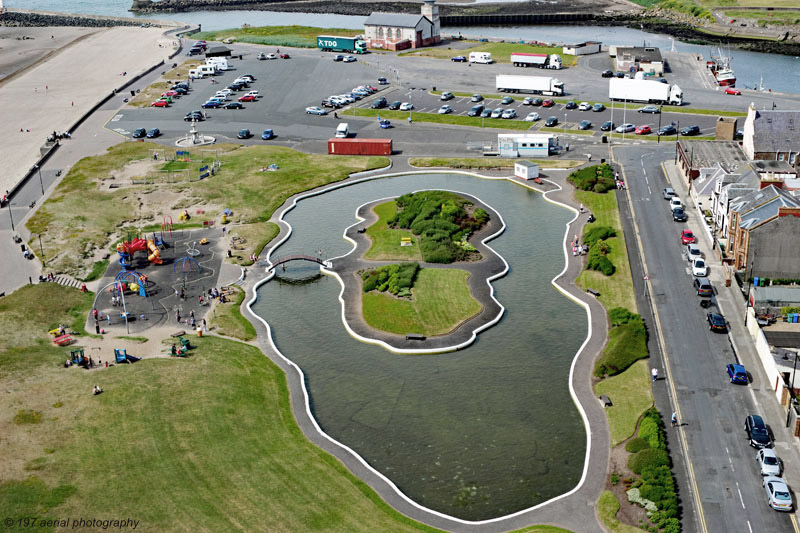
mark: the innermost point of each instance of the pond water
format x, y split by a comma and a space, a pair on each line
475, 434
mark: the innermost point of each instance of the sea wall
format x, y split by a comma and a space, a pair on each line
32, 20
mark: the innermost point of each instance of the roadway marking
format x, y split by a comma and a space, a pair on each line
741, 498
670, 381
117, 117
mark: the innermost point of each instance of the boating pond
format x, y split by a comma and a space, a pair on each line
478, 433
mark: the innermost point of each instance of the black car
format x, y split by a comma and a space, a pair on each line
211, 104
607, 126
330, 103
193, 115
757, 432
690, 130
667, 130
679, 215
619, 74
536, 101
571, 105
180, 90
237, 86
153, 133
551, 121
234, 105
585, 125
244, 134
380, 103
475, 111
382, 81
607, 74
138, 133
716, 322
395, 105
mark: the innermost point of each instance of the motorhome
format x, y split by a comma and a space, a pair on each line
480, 57
220, 62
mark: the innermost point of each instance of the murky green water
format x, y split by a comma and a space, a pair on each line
478, 433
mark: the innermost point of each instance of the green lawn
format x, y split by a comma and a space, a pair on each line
501, 52
615, 290
386, 242
256, 236
227, 320
459, 120
765, 17
607, 508
441, 300
294, 36
207, 443
479, 163
81, 213
631, 394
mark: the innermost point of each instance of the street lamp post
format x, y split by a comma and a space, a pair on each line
41, 183
791, 391
565, 123
41, 249
658, 133
8, 204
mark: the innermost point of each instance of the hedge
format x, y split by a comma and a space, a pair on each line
636, 444
627, 343
397, 279
598, 178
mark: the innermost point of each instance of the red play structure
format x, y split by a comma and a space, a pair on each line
128, 248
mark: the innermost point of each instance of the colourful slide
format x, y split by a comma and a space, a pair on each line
127, 249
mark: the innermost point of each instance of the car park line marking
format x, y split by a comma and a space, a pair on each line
701, 520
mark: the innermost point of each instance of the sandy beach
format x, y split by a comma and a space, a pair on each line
48, 83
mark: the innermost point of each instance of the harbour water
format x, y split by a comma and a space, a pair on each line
478, 433
776, 72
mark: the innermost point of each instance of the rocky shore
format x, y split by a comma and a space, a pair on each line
39, 20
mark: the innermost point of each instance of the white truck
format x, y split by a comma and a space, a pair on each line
509, 83
647, 91
520, 59
480, 57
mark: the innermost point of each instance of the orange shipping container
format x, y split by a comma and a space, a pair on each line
360, 146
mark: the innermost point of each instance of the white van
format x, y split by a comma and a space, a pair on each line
480, 57
220, 62
343, 130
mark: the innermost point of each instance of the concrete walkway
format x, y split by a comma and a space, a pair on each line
575, 510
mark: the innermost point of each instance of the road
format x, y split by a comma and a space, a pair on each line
712, 410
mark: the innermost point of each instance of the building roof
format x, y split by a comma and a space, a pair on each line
705, 153
705, 184
778, 295
395, 20
776, 131
772, 165
218, 51
762, 205
647, 54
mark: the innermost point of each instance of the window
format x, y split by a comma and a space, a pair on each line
781, 157
792, 159
380, 32
397, 33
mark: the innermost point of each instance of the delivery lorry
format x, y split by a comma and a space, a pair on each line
509, 83
481, 57
332, 43
647, 91
519, 59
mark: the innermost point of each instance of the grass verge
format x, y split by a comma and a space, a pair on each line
154, 91
486, 163
256, 236
230, 322
441, 300
294, 36
607, 508
501, 52
436, 118
631, 394
386, 242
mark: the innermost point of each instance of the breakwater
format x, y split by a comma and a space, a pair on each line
30, 19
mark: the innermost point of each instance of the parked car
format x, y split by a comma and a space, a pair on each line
267, 134
477, 97
778, 495
394, 106
757, 432
691, 130
380, 103
693, 252
687, 237
445, 109
382, 81
643, 130
153, 133
447, 95
669, 129
271, 56
585, 106
509, 113
475, 111
626, 128
234, 105
716, 322
497, 113
486, 113
598, 108
731, 90
247, 98
138, 133
738, 374
585, 125
679, 215
619, 74
338, 57
459, 59
261, 56
160, 103
406, 106
649, 109
244, 134
194, 115
547, 103
768, 462
532, 117
675, 203
699, 268
315, 110
537, 101
349, 59
170, 93
570, 105
607, 73
703, 287
607, 126
527, 100
507, 100
551, 121
669, 192
284, 56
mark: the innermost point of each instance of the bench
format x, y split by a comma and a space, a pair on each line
415, 337
593, 292
178, 334
63, 340
606, 401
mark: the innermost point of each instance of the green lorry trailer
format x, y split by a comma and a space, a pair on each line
351, 45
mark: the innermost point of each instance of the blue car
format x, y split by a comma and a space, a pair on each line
738, 374
267, 135
459, 59
212, 103
152, 134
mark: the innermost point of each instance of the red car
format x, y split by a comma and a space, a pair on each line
548, 103
642, 130
731, 90
247, 98
285, 56
687, 237
160, 103
170, 93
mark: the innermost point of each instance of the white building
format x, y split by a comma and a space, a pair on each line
397, 31
526, 145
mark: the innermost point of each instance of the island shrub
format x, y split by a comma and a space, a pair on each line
599, 261
627, 343
442, 220
397, 279
598, 233
647, 458
651, 429
620, 315
597, 178
636, 444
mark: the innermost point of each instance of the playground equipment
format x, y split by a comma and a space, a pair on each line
187, 265
76, 356
126, 249
137, 283
122, 356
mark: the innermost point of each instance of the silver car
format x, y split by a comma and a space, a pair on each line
778, 495
768, 462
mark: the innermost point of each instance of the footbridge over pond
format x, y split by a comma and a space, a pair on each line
297, 257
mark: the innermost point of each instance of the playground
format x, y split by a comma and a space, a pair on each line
159, 278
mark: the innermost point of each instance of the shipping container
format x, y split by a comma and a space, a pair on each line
360, 146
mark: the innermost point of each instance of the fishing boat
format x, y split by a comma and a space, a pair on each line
720, 67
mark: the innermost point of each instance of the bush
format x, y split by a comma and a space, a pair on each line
627, 343
600, 263
598, 233
620, 315
651, 429
395, 278
647, 458
598, 178
636, 444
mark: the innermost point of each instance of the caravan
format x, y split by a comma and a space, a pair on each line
220, 62
480, 57
202, 71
